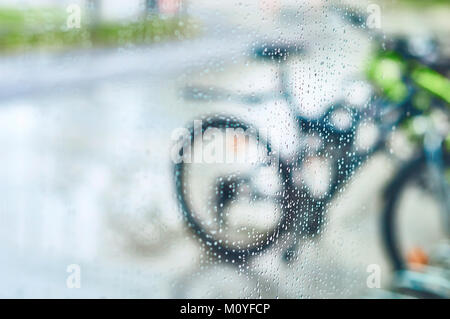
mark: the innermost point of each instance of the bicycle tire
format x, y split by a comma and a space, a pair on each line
392, 194
226, 251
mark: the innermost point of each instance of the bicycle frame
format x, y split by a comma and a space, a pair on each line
305, 208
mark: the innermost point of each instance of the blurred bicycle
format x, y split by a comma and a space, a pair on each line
239, 208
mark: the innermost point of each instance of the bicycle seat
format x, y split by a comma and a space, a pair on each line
277, 52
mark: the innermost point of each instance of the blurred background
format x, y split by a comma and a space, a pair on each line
90, 93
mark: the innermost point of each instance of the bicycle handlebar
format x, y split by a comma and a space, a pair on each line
278, 52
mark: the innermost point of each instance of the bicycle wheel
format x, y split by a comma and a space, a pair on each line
236, 208
412, 217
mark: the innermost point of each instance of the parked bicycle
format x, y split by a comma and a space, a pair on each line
241, 208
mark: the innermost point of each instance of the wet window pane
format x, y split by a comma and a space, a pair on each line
224, 149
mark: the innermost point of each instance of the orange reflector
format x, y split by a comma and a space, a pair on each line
417, 258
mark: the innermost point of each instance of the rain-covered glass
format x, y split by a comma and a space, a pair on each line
224, 149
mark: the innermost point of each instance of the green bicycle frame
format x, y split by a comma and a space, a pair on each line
387, 71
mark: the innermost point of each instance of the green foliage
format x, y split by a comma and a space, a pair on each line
425, 3
24, 30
